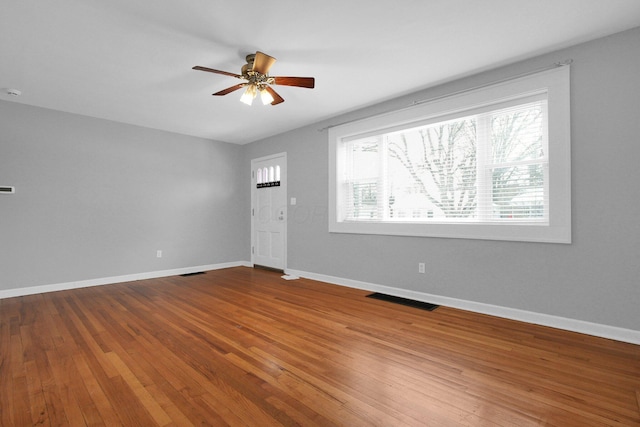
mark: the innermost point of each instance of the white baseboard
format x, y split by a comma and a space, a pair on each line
595, 329
18, 292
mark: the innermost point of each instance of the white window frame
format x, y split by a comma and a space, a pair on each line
554, 82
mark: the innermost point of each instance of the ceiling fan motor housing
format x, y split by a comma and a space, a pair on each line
249, 65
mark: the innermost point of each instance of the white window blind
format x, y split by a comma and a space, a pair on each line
485, 167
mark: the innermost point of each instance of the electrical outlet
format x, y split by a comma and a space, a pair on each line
421, 267
159, 254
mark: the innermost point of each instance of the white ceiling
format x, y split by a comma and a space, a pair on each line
130, 61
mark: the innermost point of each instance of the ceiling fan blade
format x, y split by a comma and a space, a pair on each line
308, 82
277, 99
211, 70
263, 62
230, 89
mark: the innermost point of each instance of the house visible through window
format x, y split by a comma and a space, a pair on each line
489, 164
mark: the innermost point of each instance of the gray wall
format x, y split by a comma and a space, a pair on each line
96, 199
595, 279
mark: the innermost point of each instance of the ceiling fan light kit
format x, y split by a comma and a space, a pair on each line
256, 74
248, 95
266, 97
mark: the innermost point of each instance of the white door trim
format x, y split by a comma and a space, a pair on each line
283, 185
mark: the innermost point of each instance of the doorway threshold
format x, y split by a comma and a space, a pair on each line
264, 267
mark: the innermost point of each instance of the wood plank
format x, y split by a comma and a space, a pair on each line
6, 366
107, 411
244, 347
69, 409
144, 397
36, 399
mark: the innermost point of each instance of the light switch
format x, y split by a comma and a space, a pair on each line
293, 201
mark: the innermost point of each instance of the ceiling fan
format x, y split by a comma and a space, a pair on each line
256, 74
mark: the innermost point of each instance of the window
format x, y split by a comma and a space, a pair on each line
491, 163
269, 176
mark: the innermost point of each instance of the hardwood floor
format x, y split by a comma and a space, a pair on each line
243, 347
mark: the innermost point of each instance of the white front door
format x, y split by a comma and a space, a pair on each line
269, 211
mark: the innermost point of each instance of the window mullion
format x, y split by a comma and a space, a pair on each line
383, 179
483, 169
545, 157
